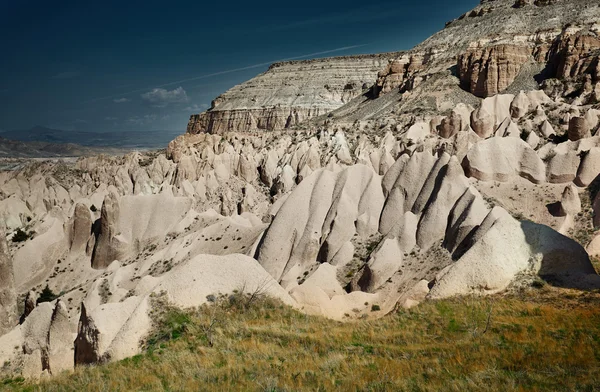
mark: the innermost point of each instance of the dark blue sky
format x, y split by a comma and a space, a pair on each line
134, 65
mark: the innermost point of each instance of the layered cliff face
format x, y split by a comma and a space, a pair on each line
490, 46
490, 70
499, 46
290, 93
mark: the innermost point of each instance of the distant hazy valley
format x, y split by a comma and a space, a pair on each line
42, 142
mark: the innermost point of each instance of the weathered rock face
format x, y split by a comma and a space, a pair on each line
490, 70
60, 340
497, 43
8, 295
289, 93
107, 246
503, 159
574, 55
490, 114
450, 125
435, 227
242, 120
578, 129
570, 203
30, 303
318, 221
400, 73
80, 229
127, 223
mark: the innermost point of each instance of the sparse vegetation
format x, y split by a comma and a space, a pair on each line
104, 291
146, 161
160, 267
47, 295
20, 236
542, 340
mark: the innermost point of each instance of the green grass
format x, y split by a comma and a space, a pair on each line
545, 340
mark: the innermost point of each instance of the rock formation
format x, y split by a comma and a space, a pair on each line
81, 228
290, 93
459, 167
108, 245
578, 129
8, 295
29, 306
503, 159
570, 203
491, 70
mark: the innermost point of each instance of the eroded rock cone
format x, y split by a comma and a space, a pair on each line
60, 340
491, 113
502, 159
570, 203
30, 302
589, 168
86, 343
106, 248
450, 125
578, 129
519, 107
546, 129
8, 295
81, 227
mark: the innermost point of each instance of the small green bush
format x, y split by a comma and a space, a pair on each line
20, 236
171, 325
47, 295
375, 308
538, 283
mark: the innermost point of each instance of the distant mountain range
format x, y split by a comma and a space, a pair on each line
18, 149
42, 142
125, 139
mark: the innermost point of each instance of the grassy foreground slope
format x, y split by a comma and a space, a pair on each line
542, 339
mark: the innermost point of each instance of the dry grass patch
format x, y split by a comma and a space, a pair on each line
544, 339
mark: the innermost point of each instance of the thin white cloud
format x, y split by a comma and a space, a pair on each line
366, 14
66, 75
196, 108
121, 100
263, 64
142, 120
111, 118
160, 97
342, 49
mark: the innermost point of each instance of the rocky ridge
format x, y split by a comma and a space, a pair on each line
290, 93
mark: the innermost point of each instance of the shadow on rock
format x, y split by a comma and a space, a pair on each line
559, 260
